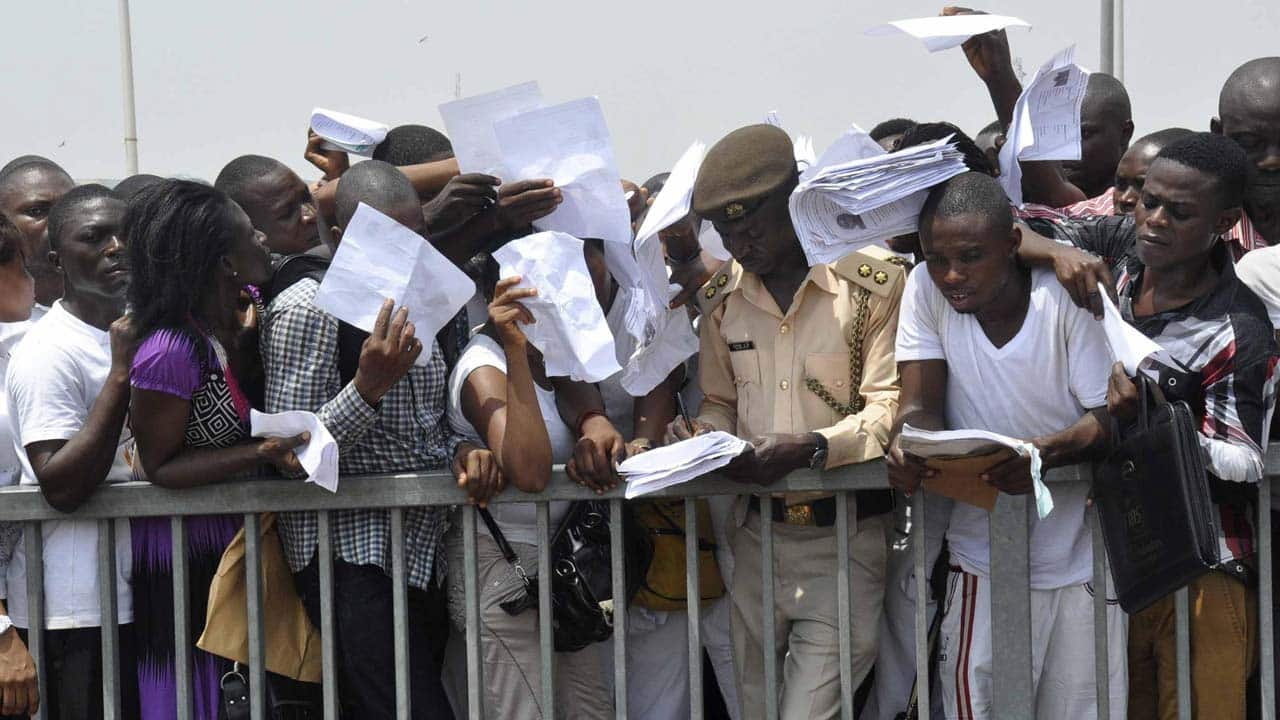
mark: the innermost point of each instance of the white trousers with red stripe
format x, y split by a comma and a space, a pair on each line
1062, 664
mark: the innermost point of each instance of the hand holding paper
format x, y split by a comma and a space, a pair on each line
347, 132
960, 457
319, 457
1128, 345
1046, 120
679, 462
943, 32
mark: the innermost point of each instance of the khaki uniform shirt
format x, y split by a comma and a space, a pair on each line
755, 358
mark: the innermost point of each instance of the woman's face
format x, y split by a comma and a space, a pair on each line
248, 254
19, 290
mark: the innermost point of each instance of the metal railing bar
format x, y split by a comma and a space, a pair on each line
181, 618
1266, 620
693, 592
920, 559
844, 606
471, 585
1182, 640
767, 606
1101, 581
257, 634
400, 614
33, 540
110, 619
617, 553
546, 639
328, 630
1010, 607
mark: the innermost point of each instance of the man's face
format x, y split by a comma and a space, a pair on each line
25, 198
969, 258
1131, 174
91, 250
280, 205
1252, 120
1179, 218
761, 240
1103, 140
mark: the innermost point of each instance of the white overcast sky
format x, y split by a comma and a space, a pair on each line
219, 79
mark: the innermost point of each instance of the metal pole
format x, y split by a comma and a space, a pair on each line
1106, 38
1119, 41
130, 110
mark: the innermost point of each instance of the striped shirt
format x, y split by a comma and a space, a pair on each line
1223, 343
1244, 237
1100, 206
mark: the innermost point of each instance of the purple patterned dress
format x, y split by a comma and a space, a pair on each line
192, 366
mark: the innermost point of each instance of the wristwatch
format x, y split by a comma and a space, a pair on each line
6, 622
819, 459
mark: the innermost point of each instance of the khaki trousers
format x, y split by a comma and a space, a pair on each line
1224, 648
806, 638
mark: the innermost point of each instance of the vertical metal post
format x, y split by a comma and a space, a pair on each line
257, 634
181, 618
1119, 41
1266, 621
546, 635
767, 604
693, 591
328, 646
921, 555
1101, 580
400, 613
1106, 37
1182, 635
110, 619
843, 606
617, 555
471, 585
33, 539
1011, 608
126, 79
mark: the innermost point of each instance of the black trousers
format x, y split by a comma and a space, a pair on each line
73, 673
364, 640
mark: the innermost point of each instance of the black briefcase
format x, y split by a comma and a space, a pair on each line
1158, 520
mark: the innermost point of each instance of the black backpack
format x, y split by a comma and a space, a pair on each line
293, 268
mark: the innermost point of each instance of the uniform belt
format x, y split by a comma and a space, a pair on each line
822, 513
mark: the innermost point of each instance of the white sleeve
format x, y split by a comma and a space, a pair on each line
480, 352
1259, 270
919, 334
46, 396
1088, 355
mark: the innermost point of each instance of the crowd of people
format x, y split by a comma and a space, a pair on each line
142, 324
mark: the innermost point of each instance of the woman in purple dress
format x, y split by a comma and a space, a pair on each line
192, 252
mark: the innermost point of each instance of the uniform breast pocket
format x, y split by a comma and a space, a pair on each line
831, 371
746, 367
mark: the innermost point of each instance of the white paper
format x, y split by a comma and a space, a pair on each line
569, 329
806, 155
676, 197
943, 32
1128, 345
570, 144
857, 195
954, 443
1046, 120
379, 258
771, 118
355, 135
319, 457
679, 462
469, 123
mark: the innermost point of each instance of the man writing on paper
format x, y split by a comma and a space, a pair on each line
799, 360
985, 344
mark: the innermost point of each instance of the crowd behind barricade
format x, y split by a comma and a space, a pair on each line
143, 323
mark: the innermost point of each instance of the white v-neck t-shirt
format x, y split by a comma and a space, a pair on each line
1040, 382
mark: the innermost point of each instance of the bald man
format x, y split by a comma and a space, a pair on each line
28, 189
1249, 115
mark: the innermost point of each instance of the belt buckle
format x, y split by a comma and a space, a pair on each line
799, 514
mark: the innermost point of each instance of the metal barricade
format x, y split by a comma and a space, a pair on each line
1014, 695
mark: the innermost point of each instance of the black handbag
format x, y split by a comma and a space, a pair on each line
581, 573
287, 699
1159, 522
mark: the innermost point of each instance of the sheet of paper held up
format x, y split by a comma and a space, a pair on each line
959, 445
341, 131
569, 329
1128, 345
319, 457
469, 122
679, 462
1046, 120
570, 144
856, 194
942, 32
379, 258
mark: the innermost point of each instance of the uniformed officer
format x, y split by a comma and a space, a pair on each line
799, 361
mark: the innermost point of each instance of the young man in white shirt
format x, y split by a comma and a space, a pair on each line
68, 390
986, 344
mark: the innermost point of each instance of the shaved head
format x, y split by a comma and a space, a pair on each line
381, 186
28, 192
1249, 116
26, 160
1257, 81
1106, 126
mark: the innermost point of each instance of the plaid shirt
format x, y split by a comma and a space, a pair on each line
1224, 341
406, 432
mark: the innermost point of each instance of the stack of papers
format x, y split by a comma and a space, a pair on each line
378, 259
341, 131
319, 457
960, 456
942, 32
1046, 120
569, 327
857, 194
679, 462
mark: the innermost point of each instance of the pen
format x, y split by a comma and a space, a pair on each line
684, 412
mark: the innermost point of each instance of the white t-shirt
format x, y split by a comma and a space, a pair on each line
1038, 383
1260, 271
54, 376
619, 405
519, 521
10, 468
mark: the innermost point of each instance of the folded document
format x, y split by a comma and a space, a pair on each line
679, 462
961, 456
319, 457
